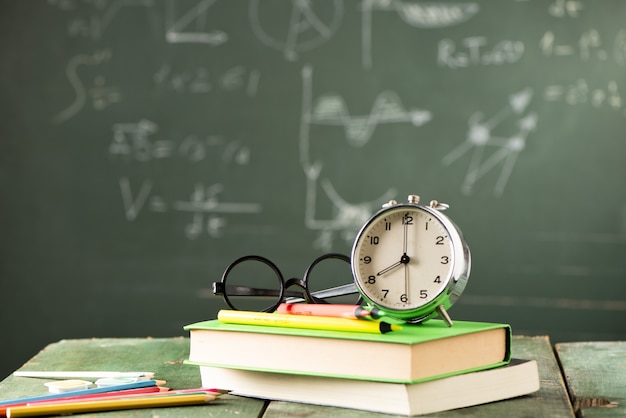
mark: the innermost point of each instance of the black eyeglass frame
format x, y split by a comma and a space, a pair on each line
222, 289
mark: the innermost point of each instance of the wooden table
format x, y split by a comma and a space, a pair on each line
595, 373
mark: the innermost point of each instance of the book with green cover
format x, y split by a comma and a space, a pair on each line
416, 353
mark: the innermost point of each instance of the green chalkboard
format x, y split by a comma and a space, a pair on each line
146, 144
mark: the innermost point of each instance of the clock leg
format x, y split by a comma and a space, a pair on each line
443, 314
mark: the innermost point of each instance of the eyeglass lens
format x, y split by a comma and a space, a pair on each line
331, 270
253, 283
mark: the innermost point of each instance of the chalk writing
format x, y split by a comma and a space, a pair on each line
133, 142
507, 149
565, 8
200, 81
579, 92
204, 201
132, 139
134, 203
195, 81
588, 46
99, 16
204, 205
100, 94
473, 51
137, 143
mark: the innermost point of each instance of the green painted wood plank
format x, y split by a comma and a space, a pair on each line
595, 373
550, 401
164, 356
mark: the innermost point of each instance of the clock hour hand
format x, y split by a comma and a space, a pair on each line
391, 267
403, 260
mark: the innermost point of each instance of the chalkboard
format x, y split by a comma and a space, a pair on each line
146, 144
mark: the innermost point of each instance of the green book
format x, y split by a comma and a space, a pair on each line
416, 353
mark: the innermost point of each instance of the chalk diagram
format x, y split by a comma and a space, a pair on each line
309, 25
97, 22
506, 149
190, 25
331, 110
431, 15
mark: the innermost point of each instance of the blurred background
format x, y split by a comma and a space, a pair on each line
146, 144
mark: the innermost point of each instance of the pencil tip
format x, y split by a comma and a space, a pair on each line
220, 391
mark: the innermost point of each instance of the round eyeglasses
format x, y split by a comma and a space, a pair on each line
271, 289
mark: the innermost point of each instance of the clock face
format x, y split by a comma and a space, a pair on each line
403, 259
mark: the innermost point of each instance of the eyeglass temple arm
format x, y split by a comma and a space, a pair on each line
219, 289
346, 289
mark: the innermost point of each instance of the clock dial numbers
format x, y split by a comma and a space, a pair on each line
404, 258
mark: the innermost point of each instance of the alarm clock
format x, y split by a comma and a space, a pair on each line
410, 261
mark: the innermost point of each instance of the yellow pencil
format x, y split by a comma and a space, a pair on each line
302, 321
109, 405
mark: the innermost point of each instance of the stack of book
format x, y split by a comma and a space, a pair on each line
416, 370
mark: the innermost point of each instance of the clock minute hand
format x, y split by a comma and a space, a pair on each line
406, 234
405, 258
